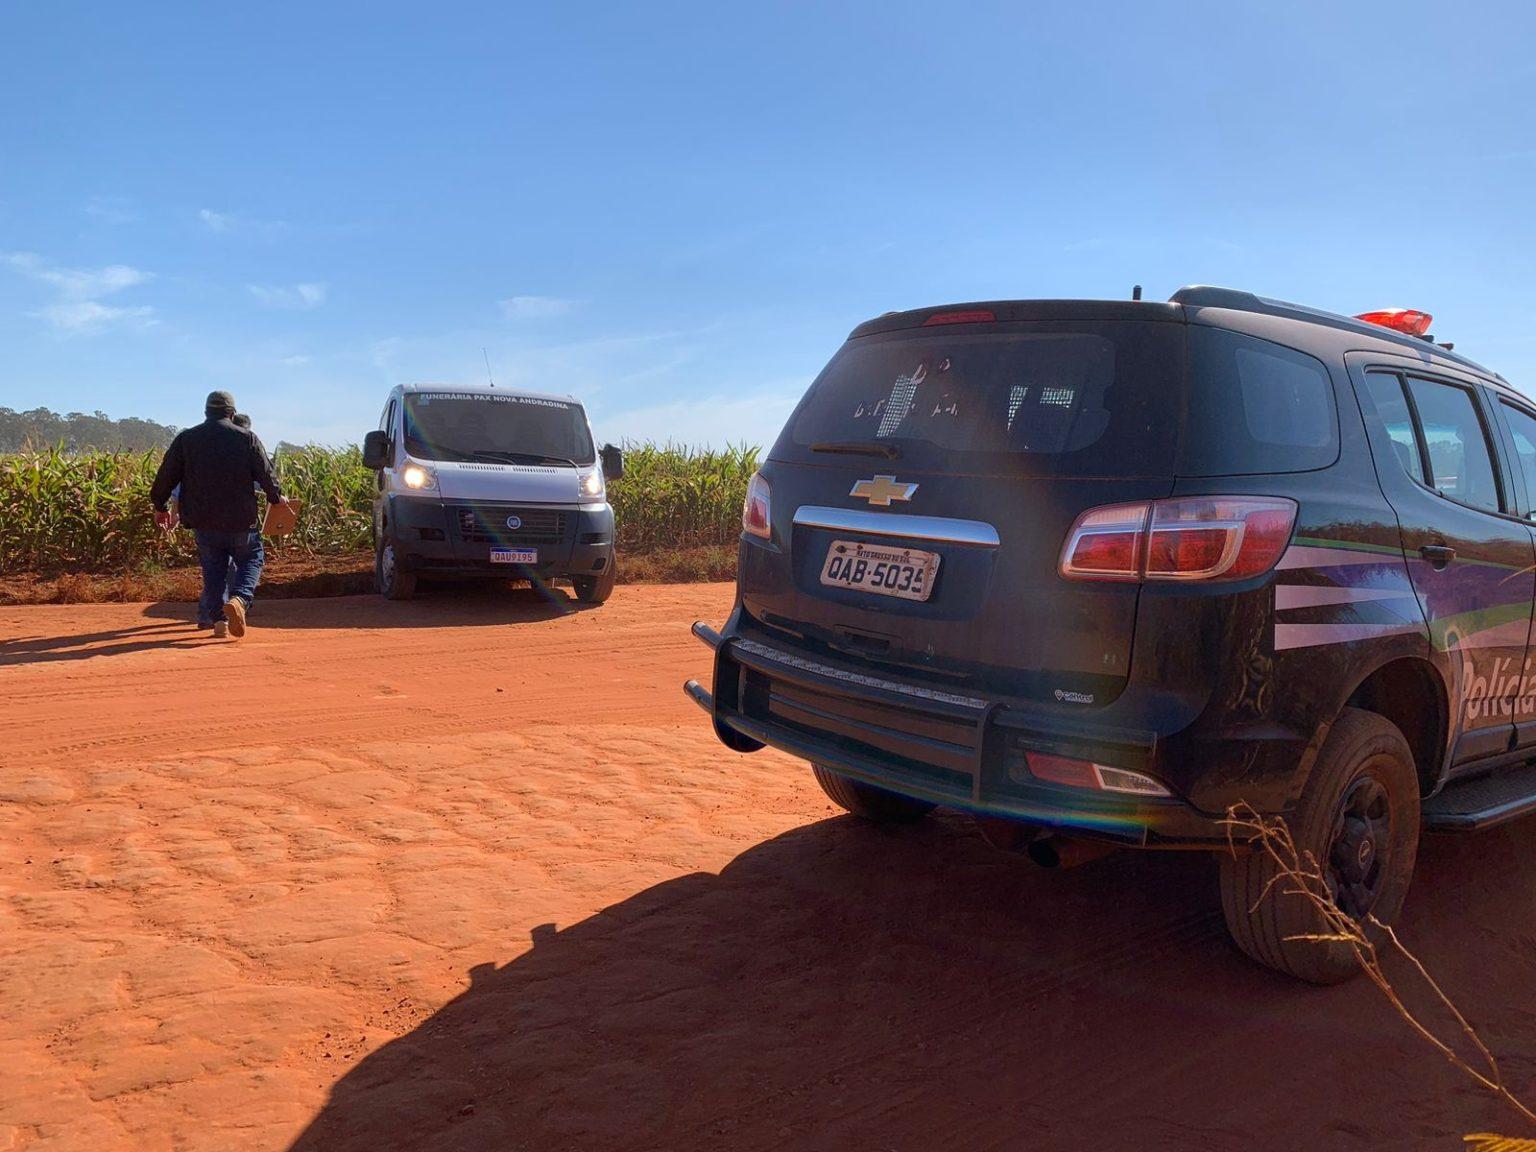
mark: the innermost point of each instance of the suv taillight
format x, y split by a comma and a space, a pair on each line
1194, 538
755, 518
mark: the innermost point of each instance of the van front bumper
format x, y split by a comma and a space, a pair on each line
948, 748
434, 537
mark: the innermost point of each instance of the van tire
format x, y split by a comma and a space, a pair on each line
1365, 767
595, 589
869, 802
392, 583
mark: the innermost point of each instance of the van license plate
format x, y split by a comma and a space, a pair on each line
514, 555
903, 572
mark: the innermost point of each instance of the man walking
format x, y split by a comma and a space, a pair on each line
241, 420
219, 466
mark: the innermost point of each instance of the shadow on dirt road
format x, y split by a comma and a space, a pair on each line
115, 641
844, 986
172, 622
439, 604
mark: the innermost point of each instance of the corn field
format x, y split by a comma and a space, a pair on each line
676, 498
91, 512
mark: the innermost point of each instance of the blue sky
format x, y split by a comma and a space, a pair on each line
677, 211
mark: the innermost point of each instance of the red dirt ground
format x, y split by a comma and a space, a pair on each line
471, 873
296, 574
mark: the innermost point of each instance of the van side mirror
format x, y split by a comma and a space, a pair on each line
613, 462
376, 450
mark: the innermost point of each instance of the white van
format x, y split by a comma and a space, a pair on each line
492, 482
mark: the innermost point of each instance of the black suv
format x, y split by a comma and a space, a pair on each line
1098, 572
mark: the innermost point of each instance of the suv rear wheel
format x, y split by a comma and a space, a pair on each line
869, 802
1359, 819
393, 584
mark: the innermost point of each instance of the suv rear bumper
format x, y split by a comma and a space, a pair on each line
949, 748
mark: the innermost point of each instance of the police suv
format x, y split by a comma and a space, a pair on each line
1103, 572
490, 482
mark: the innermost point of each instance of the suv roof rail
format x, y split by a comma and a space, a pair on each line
1208, 296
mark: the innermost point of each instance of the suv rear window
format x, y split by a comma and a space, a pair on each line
1256, 406
1038, 399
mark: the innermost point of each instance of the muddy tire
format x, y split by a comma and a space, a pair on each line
392, 583
869, 802
1359, 819
596, 589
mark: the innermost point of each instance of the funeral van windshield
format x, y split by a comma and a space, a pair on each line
498, 429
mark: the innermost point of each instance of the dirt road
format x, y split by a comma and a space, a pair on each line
473, 874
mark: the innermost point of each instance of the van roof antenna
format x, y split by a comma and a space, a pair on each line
488, 375
1136, 292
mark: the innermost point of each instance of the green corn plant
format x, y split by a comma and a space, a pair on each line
90, 512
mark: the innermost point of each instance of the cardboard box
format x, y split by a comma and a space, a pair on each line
281, 518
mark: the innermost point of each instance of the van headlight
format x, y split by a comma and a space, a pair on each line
592, 484
415, 476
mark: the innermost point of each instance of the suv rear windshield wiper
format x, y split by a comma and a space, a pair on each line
858, 448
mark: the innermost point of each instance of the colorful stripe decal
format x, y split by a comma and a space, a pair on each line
1312, 635
1301, 556
1313, 595
1379, 552
1369, 589
1499, 626
1350, 576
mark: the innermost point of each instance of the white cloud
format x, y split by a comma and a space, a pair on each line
78, 310
111, 209
294, 361
76, 283
299, 296
535, 307
229, 223
382, 353
81, 317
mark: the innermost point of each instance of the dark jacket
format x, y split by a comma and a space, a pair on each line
218, 466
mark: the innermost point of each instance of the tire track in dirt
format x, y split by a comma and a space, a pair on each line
379, 863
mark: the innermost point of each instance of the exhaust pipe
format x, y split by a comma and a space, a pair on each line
1007, 835
1068, 851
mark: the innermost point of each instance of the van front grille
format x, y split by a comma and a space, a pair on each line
496, 525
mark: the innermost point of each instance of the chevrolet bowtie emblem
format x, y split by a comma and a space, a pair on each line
882, 490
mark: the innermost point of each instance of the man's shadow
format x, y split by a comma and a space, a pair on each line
172, 622
844, 986
438, 604
105, 642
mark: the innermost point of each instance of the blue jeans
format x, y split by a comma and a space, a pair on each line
216, 551
234, 572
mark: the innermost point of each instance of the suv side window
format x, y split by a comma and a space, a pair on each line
1455, 443
1522, 430
1386, 391
1256, 406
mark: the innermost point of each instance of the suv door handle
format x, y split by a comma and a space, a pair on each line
1438, 555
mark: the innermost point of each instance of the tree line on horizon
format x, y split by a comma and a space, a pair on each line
74, 432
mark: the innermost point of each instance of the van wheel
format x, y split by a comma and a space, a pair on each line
392, 583
1359, 819
868, 801
595, 589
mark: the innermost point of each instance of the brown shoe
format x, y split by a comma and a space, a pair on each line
234, 612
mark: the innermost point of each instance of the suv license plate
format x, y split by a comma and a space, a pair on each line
903, 572
514, 555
